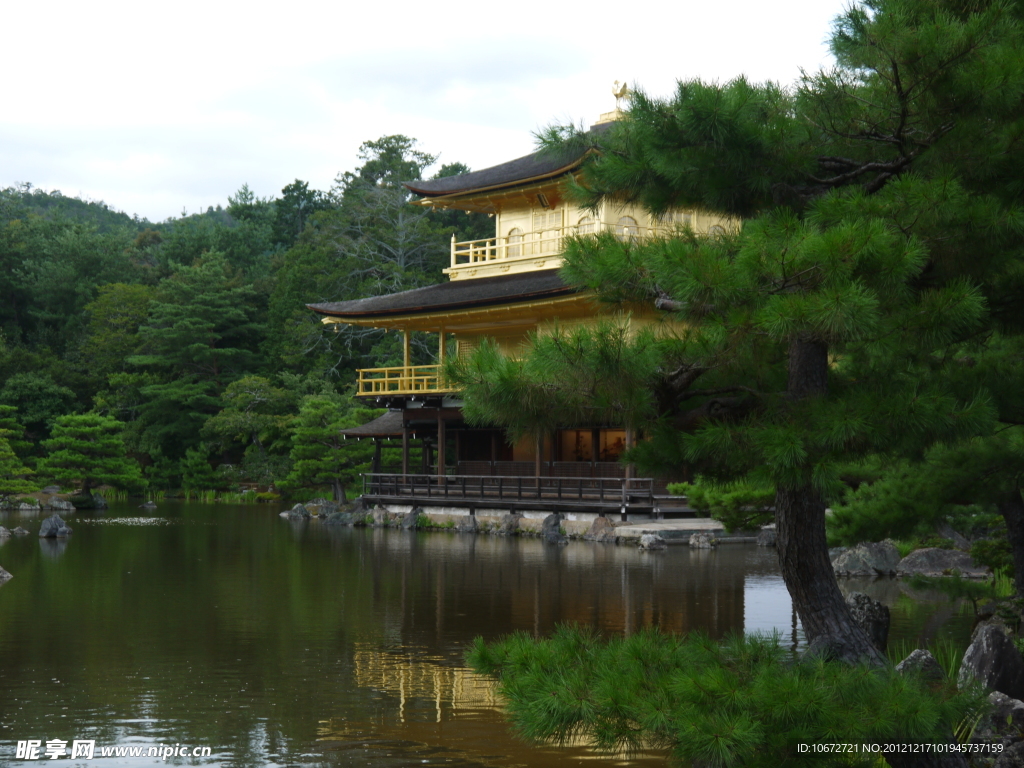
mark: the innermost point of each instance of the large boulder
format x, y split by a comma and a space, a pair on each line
1004, 724
872, 616
19, 531
702, 541
148, 505
933, 561
551, 525
1012, 757
321, 507
551, 529
411, 519
53, 527
766, 538
652, 541
868, 559
381, 517
946, 531
4, 576
922, 663
299, 512
602, 529
51, 489
508, 525
4, 533
98, 502
993, 660
58, 504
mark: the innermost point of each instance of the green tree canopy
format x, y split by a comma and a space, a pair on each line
88, 449
320, 454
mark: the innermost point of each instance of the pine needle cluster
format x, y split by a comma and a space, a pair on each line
741, 702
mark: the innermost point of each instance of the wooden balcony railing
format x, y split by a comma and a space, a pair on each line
401, 380
500, 490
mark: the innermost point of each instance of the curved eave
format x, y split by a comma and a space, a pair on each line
363, 318
478, 318
439, 197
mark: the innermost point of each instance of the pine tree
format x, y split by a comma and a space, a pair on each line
13, 431
13, 472
88, 449
879, 238
320, 454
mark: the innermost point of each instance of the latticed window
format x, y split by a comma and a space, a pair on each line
546, 220
626, 228
585, 226
674, 219
515, 239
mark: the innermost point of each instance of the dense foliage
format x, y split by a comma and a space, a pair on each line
868, 306
743, 702
193, 332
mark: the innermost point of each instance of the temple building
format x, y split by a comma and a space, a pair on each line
504, 288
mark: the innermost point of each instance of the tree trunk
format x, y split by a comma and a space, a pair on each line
807, 570
339, 491
806, 567
800, 535
1011, 507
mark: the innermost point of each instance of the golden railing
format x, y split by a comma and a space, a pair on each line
401, 380
530, 245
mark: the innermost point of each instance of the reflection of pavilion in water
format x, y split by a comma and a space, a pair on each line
410, 675
437, 590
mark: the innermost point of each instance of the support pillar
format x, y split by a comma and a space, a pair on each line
375, 464
630, 440
441, 440
405, 451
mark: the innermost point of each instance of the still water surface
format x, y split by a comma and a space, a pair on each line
296, 644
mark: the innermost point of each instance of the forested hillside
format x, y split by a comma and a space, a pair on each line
192, 333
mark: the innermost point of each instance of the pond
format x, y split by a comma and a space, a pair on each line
280, 643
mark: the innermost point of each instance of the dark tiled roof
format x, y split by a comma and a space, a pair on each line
387, 425
538, 165
457, 294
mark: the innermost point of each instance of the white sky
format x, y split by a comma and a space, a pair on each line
159, 107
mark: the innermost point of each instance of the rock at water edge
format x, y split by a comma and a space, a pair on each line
872, 616
652, 541
602, 529
993, 660
922, 663
508, 525
299, 511
551, 526
933, 561
868, 559
1004, 724
703, 541
411, 519
4, 576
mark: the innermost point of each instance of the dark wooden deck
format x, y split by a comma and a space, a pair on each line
556, 494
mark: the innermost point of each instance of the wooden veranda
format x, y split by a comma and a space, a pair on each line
622, 495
